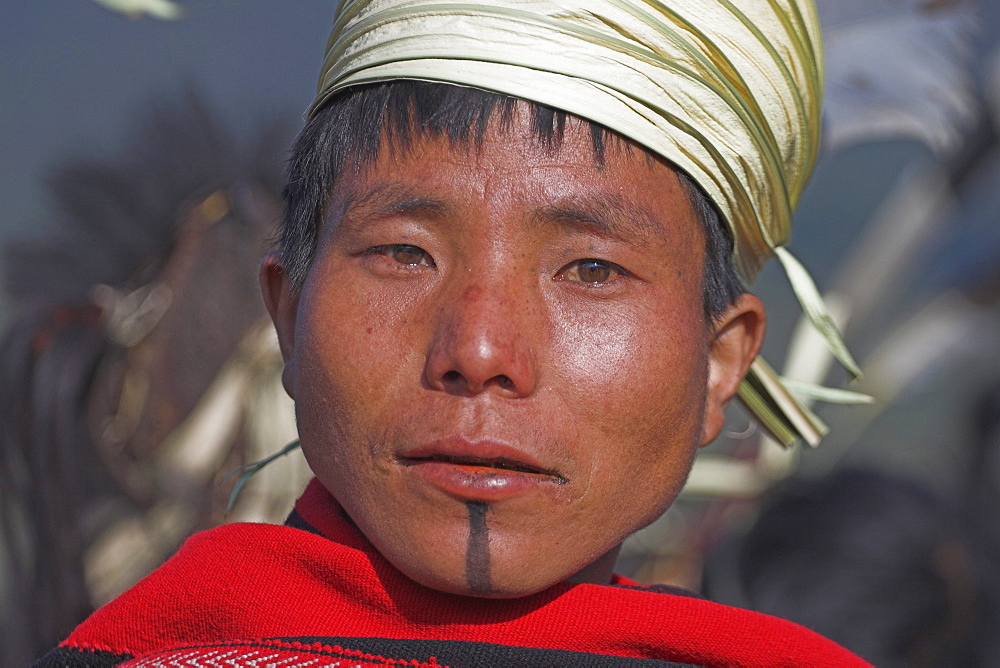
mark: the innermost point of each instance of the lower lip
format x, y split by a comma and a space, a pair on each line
479, 483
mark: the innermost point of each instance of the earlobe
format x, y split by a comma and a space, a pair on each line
739, 333
282, 302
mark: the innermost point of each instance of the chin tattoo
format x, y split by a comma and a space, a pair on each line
477, 557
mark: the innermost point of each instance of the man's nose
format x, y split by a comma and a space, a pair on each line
482, 342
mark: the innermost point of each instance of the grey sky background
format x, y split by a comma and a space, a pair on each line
73, 75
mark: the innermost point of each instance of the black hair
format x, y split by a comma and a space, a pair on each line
350, 128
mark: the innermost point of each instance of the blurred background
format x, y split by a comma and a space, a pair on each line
141, 149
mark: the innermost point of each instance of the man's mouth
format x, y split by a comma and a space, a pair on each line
482, 470
498, 463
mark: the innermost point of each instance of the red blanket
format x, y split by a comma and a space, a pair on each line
249, 594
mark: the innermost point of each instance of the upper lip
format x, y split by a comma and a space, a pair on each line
484, 452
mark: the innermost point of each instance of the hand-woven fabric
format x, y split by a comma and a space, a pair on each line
245, 592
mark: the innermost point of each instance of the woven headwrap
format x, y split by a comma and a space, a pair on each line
730, 94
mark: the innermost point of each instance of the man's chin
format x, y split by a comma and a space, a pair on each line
498, 590
502, 575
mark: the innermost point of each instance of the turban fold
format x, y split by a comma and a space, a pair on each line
727, 90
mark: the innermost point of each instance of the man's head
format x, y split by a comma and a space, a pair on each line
506, 341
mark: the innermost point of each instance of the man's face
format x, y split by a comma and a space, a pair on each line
499, 358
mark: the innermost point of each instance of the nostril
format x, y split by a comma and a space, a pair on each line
454, 378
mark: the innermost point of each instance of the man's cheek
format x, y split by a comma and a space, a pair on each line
594, 347
344, 352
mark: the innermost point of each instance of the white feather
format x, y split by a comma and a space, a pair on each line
161, 9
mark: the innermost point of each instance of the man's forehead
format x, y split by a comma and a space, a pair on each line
608, 215
609, 205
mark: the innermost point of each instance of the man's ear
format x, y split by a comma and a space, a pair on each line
282, 302
739, 333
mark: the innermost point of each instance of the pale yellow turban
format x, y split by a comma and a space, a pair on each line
730, 94
727, 90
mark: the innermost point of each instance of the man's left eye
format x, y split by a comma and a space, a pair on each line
590, 270
405, 254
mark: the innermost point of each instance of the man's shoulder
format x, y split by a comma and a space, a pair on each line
191, 597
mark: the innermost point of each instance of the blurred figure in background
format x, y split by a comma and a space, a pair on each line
140, 369
875, 561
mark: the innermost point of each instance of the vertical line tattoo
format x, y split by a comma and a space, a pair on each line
477, 559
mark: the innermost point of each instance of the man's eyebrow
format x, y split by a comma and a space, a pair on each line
385, 200
609, 216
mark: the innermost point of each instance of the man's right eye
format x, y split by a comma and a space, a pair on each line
405, 254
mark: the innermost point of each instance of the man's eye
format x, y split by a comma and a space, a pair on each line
591, 271
405, 254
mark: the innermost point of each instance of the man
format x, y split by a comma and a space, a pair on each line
509, 311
